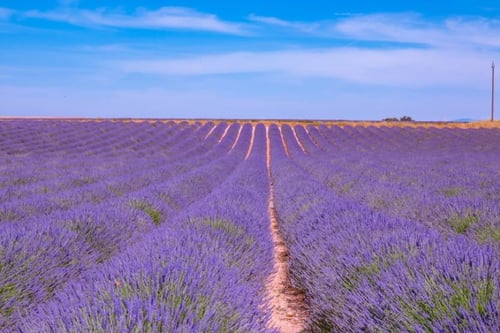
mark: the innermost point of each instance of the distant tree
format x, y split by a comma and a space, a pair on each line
405, 118
390, 119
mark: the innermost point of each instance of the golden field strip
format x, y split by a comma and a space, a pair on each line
341, 123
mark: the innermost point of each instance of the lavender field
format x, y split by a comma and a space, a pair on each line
163, 226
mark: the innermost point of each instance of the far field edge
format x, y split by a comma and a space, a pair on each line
314, 122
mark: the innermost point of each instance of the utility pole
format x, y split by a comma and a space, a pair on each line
493, 91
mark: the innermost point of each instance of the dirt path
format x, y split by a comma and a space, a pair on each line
210, 132
251, 143
311, 137
284, 143
224, 134
236, 140
289, 311
298, 141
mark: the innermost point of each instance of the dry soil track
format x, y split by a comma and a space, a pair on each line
289, 310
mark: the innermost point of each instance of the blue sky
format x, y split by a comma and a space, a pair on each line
248, 59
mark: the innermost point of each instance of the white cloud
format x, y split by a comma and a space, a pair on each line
479, 32
402, 28
411, 28
396, 67
405, 28
163, 18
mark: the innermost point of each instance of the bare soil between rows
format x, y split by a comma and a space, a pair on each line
289, 308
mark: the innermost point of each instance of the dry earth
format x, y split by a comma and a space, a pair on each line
292, 122
289, 309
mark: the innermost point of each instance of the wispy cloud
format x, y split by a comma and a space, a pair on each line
162, 18
403, 28
481, 32
412, 28
400, 28
397, 67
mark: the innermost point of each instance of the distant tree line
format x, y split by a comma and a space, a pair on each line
403, 118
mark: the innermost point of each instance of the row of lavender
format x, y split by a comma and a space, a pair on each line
148, 235
391, 230
440, 177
